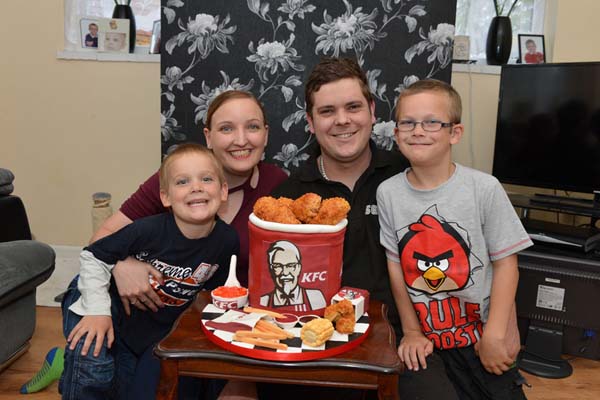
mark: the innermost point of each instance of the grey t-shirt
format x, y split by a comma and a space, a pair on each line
445, 240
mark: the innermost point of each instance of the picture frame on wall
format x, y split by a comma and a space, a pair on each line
532, 49
89, 29
155, 40
113, 36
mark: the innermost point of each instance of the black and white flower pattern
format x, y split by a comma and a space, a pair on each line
271, 57
353, 30
383, 134
269, 46
204, 99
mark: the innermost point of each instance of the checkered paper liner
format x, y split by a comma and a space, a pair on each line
296, 351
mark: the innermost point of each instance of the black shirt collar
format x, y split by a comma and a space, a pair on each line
379, 159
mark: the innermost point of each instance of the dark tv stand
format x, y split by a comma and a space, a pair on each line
577, 238
561, 250
555, 299
542, 354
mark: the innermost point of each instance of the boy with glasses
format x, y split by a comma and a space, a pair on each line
451, 238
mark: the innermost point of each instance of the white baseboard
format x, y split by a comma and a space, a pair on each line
66, 267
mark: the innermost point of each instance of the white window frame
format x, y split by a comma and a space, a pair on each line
538, 18
74, 10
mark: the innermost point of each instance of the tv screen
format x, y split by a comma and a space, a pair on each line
548, 128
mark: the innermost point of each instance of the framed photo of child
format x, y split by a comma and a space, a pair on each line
113, 35
155, 41
532, 49
89, 33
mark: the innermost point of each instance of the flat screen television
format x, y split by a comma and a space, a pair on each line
548, 127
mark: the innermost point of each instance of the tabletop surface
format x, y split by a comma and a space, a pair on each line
377, 353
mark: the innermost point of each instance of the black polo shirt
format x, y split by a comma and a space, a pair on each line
365, 264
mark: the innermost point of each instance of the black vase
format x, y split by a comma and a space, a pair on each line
125, 12
499, 41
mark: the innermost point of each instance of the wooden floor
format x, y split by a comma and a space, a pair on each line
584, 384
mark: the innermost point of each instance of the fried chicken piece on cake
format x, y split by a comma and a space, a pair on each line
332, 211
316, 332
306, 207
345, 324
269, 209
340, 309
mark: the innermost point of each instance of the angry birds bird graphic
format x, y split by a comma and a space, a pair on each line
434, 257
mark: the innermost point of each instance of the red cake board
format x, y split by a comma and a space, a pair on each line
297, 351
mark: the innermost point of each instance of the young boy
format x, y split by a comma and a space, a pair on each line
190, 246
91, 38
451, 238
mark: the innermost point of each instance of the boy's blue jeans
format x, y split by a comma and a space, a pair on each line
87, 377
117, 373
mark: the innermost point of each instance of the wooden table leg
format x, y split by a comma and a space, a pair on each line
169, 377
388, 387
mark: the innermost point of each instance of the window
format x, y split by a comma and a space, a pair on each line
145, 11
473, 19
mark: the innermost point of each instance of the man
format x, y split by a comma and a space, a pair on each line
340, 110
285, 265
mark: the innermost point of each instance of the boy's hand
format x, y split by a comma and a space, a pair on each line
494, 354
414, 348
95, 326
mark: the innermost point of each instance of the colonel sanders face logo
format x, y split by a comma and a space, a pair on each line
434, 257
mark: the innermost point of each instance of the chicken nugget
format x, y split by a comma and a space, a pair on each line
345, 324
345, 308
286, 201
269, 209
332, 211
331, 312
306, 207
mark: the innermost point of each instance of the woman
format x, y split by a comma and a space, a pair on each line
237, 132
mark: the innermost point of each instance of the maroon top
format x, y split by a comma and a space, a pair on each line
146, 201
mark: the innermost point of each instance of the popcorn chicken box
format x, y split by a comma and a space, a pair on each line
294, 268
358, 297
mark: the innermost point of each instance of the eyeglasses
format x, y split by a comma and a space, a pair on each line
277, 267
428, 126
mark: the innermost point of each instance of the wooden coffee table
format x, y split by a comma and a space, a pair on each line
186, 351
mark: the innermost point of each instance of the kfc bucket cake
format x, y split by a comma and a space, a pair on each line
296, 252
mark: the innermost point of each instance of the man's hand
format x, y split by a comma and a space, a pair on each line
95, 326
131, 277
414, 349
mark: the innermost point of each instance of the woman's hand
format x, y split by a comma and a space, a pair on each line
414, 349
131, 277
95, 326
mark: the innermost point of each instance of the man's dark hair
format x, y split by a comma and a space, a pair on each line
333, 69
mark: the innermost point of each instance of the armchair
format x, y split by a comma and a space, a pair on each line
24, 264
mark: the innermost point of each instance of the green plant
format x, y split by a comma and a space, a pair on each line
500, 8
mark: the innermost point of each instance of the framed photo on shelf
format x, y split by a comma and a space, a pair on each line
155, 41
532, 49
89, 33
113, 35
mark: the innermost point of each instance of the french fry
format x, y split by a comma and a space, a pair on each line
262, 342
273, 314
261, 334
269, 327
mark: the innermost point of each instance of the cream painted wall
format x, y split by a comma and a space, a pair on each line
70, 128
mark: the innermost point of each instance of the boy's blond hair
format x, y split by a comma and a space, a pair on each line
434, 85
187, 148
